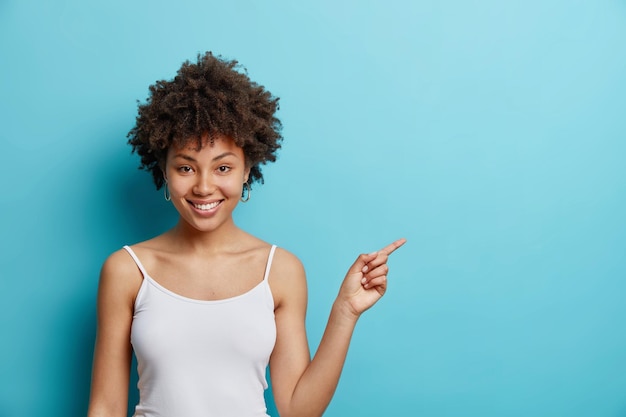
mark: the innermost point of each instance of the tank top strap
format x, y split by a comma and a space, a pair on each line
269, 263
136, 259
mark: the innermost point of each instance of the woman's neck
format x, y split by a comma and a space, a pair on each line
228, 237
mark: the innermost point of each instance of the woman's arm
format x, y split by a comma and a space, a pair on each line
304, 387
119, 283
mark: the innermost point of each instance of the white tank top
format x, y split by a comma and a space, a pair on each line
200, 358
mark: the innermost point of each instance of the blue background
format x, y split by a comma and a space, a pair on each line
491, 134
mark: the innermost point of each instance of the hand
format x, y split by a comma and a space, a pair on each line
366, 280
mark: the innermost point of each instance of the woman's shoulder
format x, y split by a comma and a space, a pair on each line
150, 250
119, 262
287, 277
286, 261
282, 261
120, 276
124, 263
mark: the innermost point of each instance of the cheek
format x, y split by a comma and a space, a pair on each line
178, 186
235, 188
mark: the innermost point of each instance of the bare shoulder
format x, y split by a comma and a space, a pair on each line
120, 276
120, 263
286, 265
287, 277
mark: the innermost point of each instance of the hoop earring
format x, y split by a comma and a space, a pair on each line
166, 193
247, 191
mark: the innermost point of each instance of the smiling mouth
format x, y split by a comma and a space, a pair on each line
207, 207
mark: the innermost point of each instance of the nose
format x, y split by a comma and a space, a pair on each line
204, 185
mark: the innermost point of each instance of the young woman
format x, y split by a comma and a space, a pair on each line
206, 306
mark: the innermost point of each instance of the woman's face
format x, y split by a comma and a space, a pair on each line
205, 185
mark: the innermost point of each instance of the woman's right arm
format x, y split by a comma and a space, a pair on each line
119, 282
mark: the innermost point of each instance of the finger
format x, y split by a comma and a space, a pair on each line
389, 249
375, 272
380, 282
380, 259
360, 263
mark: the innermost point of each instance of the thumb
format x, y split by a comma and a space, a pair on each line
361, 261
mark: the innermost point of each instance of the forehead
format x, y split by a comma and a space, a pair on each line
210, 147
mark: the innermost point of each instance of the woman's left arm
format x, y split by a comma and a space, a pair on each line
304, 387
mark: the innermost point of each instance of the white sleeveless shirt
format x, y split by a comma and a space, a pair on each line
200, 358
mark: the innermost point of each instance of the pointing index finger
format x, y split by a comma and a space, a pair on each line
389, 249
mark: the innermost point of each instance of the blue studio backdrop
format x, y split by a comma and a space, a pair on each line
490, 134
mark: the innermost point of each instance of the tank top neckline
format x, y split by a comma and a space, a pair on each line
155, 283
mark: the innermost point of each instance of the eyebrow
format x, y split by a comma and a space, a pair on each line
192, 159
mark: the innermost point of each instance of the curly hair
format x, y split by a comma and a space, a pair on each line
209, 97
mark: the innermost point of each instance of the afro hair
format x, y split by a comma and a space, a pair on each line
210, 97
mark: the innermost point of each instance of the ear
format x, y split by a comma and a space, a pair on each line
246, 174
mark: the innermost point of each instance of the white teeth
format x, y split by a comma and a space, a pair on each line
206, 206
